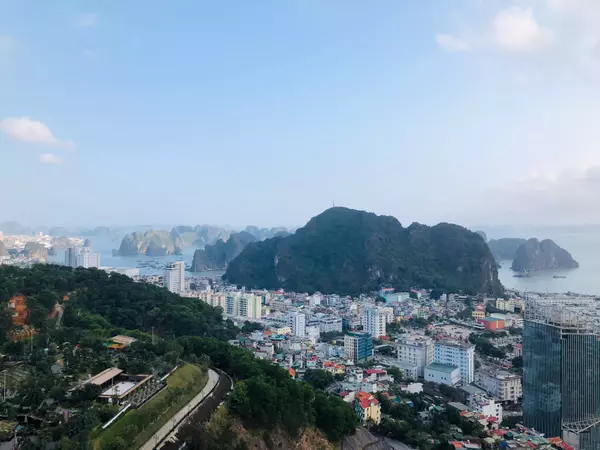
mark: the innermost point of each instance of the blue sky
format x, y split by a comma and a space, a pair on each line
267, 111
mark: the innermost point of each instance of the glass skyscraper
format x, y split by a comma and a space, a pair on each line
561, 370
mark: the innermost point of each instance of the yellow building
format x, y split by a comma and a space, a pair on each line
479, 312
282, 330
367, 407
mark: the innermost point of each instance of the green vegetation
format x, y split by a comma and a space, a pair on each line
535, 255
137, 426
485, 347
265, 397
318, 378
349, 251
169, 330
402, 422
217, 256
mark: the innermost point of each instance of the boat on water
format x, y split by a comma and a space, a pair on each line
559, 276
523, 274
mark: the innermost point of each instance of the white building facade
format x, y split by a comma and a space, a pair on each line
374, 321
459, 355
174, 277
503, 386
297, 322
328, 324
416, 351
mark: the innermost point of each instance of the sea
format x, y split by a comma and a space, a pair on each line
584, 246
105, 245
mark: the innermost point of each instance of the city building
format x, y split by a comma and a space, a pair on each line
81, 257
297, 322
374, 321
174, 277
367, 407
313, 333
416, 350
561, 369
486, 406
358, 346
459, 355
442, 373
491, 323
250, 306
478, 312
500, 384
329, 323
511, 305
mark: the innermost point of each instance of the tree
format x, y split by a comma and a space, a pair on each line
413, 295
517, 362
395, 372
435, 294
318, 378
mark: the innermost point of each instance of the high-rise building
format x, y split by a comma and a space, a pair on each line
358, 346
561, 369
71, 257
81, 257
416, 351
374, 321
174, 277
459, 355
250, 306
297, 322
88, 260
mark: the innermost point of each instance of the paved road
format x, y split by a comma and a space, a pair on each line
397, 445
172, 425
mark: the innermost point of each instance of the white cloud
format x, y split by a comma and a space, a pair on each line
516, 30
31, 131
452, 44
50, 158
86, 20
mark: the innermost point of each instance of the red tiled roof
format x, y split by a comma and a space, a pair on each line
377, 371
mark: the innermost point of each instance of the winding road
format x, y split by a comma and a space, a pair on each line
170, 428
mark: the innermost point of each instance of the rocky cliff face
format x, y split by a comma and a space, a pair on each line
534, 255
349, 251
3, 249
217, 256
151, 243
35, 250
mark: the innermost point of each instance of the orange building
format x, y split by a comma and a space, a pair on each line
491, 323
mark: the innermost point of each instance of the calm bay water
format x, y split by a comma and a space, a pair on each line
583, 246
585, 249
105, 246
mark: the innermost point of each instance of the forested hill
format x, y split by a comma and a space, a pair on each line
97, 299
97, 306
348, 251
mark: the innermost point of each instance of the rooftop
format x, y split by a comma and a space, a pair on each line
104, 376
455, 344
447, 368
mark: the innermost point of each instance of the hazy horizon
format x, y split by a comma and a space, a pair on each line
267, 112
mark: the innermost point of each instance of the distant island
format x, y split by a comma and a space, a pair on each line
348, 251
163, 242
534, 255
505, 248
